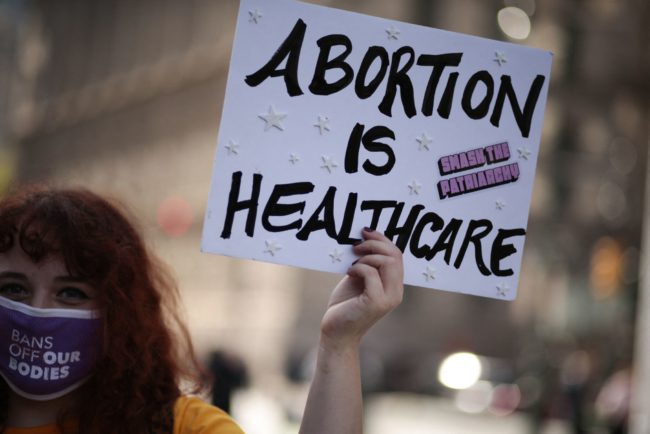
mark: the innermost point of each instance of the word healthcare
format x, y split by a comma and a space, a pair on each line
396, 67
423, 232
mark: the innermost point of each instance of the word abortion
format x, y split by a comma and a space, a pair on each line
480, 92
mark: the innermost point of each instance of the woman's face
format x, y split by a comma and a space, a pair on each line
44, 285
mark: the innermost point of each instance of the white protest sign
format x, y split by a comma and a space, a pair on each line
334, 121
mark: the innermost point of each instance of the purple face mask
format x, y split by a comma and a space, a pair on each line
46, 353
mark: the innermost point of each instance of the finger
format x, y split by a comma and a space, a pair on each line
371, 281
382, 247
390, 269
373, 234
390, 273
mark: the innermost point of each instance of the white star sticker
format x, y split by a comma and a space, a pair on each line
322, 124
500, 57
272, 247
254, 16
414, 187
523, 153
232, 147
328, 163
500, 204
392, 32
336, 255
424, 141
502, 289
429, 273
293, 158
273, 119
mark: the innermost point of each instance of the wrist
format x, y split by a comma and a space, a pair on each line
334, 350
341, 337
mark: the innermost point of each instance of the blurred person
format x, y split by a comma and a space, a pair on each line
92, 341
229, 373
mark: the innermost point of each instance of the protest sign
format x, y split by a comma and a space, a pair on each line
334, 121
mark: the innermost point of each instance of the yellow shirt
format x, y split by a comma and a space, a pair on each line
191, 416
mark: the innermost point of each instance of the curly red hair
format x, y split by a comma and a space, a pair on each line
147, 349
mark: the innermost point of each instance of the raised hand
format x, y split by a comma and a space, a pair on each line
372, 288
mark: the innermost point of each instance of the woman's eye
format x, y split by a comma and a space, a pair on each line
71, 294
13, 291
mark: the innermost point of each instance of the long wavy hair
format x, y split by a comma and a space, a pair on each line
147, 351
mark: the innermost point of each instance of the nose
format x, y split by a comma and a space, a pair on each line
40, 299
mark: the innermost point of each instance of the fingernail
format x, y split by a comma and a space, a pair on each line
367, 229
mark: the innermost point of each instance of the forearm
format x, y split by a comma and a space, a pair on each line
334, 404
372, 288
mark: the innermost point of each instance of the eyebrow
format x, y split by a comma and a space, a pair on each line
13, 274
65, 279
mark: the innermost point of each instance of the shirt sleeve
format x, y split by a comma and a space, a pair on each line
194, 416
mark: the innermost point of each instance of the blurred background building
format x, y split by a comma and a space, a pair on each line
124, 97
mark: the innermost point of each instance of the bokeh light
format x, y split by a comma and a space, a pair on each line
505, 399
514, 22
474, 399
606, 268
460, 370
174, 216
